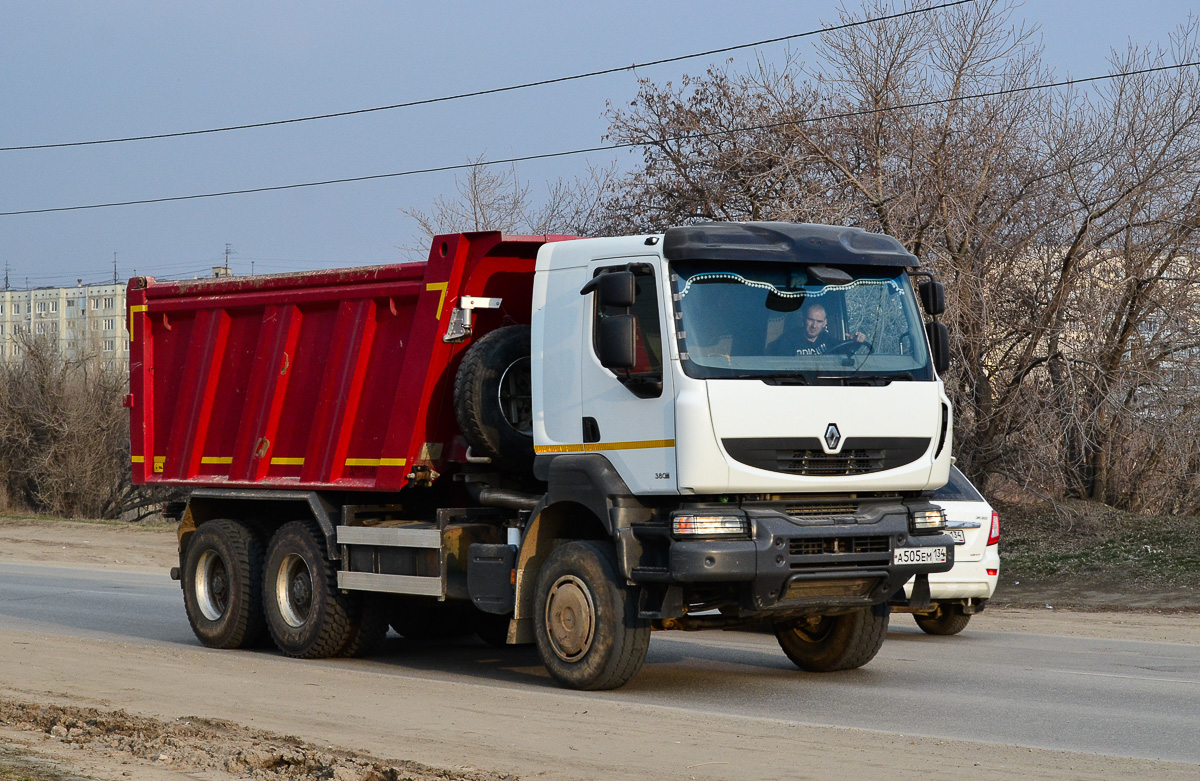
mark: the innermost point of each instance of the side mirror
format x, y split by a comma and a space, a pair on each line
933, 297
939, 345
615, 345
617, 289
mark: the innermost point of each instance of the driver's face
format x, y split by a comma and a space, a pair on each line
814, 323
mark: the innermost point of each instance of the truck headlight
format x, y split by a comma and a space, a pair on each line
930, 520
710, 525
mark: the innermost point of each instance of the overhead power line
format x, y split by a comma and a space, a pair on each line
611, 147
494, 90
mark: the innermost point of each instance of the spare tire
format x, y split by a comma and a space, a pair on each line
493, 397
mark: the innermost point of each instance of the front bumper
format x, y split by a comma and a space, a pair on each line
797, 563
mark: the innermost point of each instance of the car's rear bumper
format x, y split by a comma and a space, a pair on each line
965, 580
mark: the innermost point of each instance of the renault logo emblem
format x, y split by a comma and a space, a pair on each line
832, 436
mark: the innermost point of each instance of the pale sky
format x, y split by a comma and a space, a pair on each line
80, 71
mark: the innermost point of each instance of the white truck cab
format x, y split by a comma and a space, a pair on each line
754, 414
726, 394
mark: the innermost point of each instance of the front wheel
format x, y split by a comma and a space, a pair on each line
307, 615
586, 625
824, 644
943, 621
222, 585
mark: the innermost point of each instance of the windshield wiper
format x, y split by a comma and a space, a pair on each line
786, 379
873, 379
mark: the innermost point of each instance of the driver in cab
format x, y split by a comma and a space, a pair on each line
816, 339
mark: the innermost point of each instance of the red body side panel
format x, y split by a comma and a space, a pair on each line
321, 380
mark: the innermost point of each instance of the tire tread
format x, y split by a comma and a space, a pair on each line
246, 556
631, 635
854, 641
334, 630
946, 621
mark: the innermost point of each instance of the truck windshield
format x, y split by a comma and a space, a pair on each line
809, 323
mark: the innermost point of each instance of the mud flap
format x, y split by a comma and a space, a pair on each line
920, 592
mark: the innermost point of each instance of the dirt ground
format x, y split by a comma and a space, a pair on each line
49, 735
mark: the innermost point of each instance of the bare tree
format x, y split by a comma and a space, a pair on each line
64, 435
1063, 223
496, 198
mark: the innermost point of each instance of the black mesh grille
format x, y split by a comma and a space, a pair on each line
816, 546
820, 510
820, 463
805, 455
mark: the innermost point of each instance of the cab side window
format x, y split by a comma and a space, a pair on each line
645, 376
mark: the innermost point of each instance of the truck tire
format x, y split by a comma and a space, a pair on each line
824, 644
946, 620
307, 615
586, 621
222, 585
493, 397
368, 627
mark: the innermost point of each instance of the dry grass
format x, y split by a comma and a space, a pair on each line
1080, 546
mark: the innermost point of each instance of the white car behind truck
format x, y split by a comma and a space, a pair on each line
963, 590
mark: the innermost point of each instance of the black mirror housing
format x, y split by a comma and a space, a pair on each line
939, 345
615, 345
617, 289
933, 297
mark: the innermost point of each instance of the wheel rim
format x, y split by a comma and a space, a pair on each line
813, 630
515, 395
570, 618
293, 590
212, 585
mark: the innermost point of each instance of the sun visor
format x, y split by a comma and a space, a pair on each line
785, 242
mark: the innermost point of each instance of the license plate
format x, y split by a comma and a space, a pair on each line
960, 536
919, 556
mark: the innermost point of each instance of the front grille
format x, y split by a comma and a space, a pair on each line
818, 546
804, 455
818, 463
821, 510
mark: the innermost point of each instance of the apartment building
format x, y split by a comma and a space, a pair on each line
83, 320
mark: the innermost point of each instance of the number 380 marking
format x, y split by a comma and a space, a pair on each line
662, 475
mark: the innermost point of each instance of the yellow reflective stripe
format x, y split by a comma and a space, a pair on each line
288, 461
592, 447
543, 449
644, 444
132, 311
441, 301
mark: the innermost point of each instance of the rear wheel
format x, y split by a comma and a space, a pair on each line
588, 632
946, 620
307, 615
828, 643
222, 585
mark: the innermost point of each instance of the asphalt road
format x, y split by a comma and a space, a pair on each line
1114, 697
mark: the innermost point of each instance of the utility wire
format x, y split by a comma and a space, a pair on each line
611, 147
494, 90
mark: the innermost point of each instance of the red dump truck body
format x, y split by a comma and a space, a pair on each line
318, 380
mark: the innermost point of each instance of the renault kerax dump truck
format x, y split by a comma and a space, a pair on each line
568, 442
